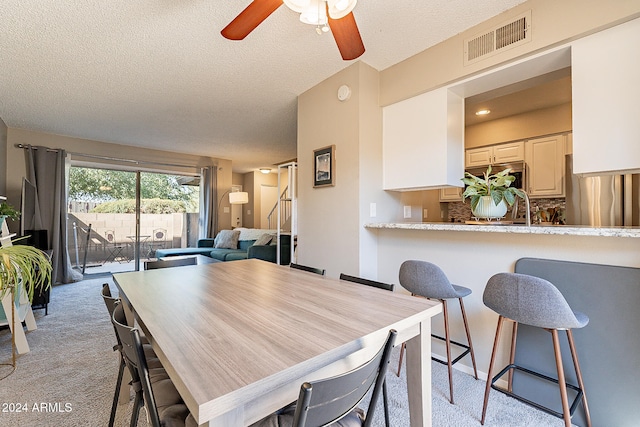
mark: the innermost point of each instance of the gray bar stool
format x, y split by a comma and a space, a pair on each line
536, 302
428, 280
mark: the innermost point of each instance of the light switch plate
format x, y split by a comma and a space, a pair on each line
372, 210
225, 209
407, 211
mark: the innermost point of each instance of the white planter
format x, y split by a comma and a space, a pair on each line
487, 209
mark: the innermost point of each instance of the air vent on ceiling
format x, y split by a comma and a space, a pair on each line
506, 35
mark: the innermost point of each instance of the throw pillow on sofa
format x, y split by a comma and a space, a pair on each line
227, 239
265, 239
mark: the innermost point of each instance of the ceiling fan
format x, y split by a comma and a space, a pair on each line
324, 14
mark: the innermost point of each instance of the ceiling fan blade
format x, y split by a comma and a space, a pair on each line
345, 32
250, 18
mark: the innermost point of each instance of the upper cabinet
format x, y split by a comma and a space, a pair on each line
450, 194
422, 142
502, 153
606, 90
545, 166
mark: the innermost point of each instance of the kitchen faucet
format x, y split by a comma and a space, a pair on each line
526, 199
514, 210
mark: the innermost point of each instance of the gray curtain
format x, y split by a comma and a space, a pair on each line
208, 221
47, 171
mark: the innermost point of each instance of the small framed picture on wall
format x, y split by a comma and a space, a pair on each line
324, 166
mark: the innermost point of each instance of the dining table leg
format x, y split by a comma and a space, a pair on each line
418, 356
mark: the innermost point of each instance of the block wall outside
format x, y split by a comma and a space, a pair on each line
178, 228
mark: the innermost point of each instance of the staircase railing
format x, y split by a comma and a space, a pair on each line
285, 210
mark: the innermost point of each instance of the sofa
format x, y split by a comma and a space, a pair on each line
242, 247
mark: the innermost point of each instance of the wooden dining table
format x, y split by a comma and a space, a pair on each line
239, 338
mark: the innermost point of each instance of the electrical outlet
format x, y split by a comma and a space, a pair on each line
407, 211
372, 210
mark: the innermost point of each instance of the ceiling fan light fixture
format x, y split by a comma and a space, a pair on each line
340, 8
298, 6
315, 13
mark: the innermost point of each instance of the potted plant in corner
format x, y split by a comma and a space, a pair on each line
22, 269
8, 211
490, 193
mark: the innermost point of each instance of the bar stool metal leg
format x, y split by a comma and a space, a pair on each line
512, 354
496, 341
576, 364
468, 348
561, 381
447, 341
466, 329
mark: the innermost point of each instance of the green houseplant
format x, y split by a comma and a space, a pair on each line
22, 268
492, 190
8, 211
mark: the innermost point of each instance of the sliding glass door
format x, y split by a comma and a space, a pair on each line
118, 219
168, 212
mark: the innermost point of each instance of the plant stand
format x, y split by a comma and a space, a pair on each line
21, 306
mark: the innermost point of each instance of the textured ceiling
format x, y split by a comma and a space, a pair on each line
158, 74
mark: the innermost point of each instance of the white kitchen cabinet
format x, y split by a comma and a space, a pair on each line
545, 166
451, 194
501, 153
478, 156
605, 107
423, 142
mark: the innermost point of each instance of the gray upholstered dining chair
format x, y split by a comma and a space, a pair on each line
152, 360
333, 401
425, 279
153, 386
368, 282
315, 270
536, 302
387, 287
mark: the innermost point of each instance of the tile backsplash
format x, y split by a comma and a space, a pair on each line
461, 212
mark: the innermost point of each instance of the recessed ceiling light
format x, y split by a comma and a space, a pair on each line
482, 112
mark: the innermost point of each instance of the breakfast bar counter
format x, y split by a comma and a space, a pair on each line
572, 230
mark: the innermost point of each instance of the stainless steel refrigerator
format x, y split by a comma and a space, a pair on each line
602, 201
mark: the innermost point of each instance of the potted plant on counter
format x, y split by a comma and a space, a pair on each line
491, 193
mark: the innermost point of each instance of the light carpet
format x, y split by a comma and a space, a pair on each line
68, 378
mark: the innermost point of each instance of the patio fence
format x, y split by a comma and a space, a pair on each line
173, 230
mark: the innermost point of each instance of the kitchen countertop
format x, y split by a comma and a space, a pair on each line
572, 230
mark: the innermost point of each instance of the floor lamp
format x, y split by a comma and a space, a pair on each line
235, 198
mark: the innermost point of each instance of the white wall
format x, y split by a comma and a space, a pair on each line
330, 219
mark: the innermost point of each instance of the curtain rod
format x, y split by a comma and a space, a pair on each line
114, 159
